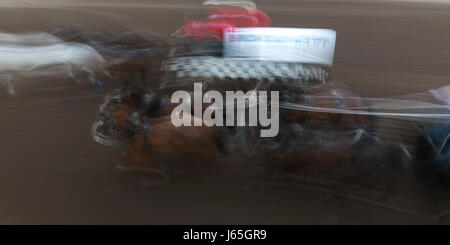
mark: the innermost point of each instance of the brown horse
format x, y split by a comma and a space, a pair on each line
308, 138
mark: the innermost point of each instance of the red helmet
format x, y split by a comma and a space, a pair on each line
220, 19
205, 29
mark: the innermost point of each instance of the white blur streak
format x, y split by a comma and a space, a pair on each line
433, 105
374, 113
26, 58
39, 53
442, 94
28, 39
411, 107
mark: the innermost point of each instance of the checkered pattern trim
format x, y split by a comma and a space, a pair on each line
216, 67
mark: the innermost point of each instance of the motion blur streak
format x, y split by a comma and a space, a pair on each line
51, 171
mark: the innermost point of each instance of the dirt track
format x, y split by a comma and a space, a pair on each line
51, 172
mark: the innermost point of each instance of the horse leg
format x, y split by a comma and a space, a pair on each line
137, 158
89, 77
92, 78
7, 81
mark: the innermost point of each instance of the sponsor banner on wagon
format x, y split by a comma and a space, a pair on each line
302, 45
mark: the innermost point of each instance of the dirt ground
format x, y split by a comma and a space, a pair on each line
52, 173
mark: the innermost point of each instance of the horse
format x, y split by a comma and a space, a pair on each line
155, 146
43, 54
132, 58
149, 137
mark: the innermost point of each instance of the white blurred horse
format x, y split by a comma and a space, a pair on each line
37, 54
39, 38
